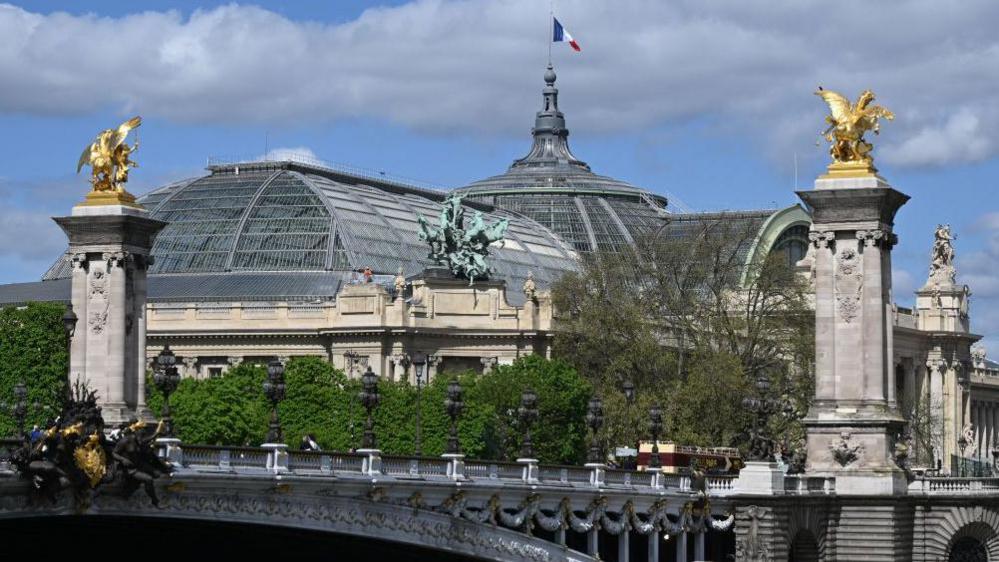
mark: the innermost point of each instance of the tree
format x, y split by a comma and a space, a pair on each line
32, 350
559, 433
226, 410
682, 317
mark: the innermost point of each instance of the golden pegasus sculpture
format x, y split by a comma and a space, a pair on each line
109, 158
847, 124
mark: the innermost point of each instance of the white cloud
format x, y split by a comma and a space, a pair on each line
459, 65
960, 139
980, 271
295, 154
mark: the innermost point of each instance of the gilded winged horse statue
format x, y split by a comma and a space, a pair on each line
847, 125
109, 158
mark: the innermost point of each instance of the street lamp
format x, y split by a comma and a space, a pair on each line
274, 389
453, 405
419, 361
69, 327
369, 399
629, 391
760, 444
595, 420
166, 380
655, 427
527, 413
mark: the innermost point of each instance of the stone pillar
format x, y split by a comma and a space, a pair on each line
488, 364
934, 369
852, 422
140, 311
190, 367
110, 245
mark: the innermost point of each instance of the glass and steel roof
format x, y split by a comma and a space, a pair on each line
258, 218
550, 185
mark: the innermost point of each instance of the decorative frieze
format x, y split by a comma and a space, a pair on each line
849, 283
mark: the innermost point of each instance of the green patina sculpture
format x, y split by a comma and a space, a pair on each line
462, 251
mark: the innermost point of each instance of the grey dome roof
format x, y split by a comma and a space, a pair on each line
558, 190
256, 218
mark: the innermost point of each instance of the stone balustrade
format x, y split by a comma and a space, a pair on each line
208, 458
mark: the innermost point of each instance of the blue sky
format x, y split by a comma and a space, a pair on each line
708, 102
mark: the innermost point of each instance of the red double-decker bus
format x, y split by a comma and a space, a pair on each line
677, 459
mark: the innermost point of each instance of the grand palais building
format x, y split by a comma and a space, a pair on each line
266, 259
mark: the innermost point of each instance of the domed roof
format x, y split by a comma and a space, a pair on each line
555, 188
294, 217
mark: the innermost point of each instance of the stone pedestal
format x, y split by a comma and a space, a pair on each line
110, 247
760, 478
170, 450
455, 465
277, 457
853, 422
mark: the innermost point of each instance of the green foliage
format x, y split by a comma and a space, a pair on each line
692, 325
32, 350
559, 433
232, 410
226, 410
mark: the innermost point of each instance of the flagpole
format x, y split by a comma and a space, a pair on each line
551, 25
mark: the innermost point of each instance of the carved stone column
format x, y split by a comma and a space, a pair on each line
190, 367
488, 364
852, 422
941, 446
109, 244
139, 312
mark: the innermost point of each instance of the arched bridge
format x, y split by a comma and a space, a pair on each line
450, 507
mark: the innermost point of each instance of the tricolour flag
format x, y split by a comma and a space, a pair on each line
560, 35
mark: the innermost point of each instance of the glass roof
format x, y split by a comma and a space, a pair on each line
294, 217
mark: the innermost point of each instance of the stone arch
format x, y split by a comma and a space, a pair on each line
775, 225
974, 522
806, 533
344, 515
804, 547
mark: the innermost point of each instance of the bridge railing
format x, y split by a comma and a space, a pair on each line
943, 485
211, 458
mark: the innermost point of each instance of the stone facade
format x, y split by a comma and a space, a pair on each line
460, 327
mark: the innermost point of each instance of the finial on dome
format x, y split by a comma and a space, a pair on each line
550, 75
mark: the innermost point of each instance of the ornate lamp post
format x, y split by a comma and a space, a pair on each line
166, 380
274, 390
369, 399
595, 420
419, 362
453, 405
69, 320
629, 391
527, 413
760, 444
655, 427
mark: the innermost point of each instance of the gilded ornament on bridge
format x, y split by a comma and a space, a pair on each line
848, 122
109, 158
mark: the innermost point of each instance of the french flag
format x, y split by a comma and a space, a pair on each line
560, 35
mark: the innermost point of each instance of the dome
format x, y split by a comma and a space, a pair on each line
553, 187
255, 219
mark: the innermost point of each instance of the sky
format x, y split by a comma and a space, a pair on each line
709, 103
